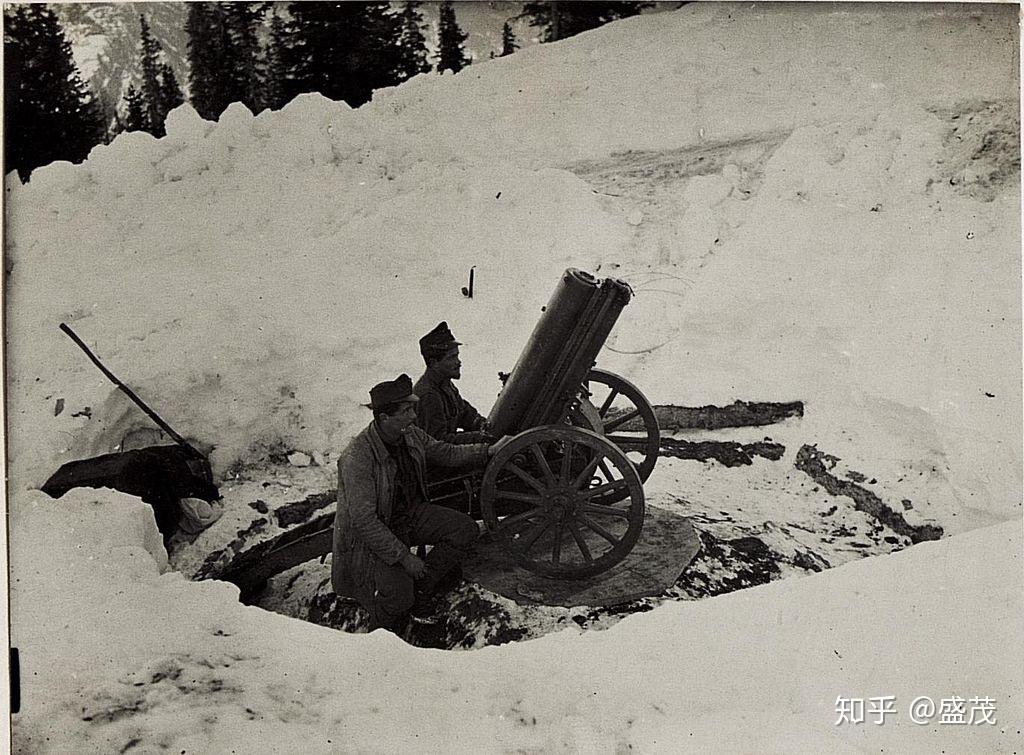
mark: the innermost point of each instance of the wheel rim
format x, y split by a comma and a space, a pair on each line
615, 408
559, 477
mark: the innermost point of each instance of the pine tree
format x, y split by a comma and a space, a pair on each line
558, 20
49, 112
451, 41
208, 39
151, 93
412, 45
170, 92
271, 64
137, 115
379, 58
322, 36
508, 40
342, 50
241, 52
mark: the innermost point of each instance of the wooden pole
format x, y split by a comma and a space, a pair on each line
128, 391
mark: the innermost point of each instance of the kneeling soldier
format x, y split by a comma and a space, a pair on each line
383, 510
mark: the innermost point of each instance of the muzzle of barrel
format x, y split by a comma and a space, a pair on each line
564, 345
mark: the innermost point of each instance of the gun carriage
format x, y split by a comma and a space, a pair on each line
565, 496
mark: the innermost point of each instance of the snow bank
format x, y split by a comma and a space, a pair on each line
898, 322
171, 664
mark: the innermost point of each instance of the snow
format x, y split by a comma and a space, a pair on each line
812, 202
191, 669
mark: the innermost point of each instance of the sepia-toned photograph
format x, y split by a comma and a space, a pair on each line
513, 377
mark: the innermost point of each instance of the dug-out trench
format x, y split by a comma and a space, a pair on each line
733, 554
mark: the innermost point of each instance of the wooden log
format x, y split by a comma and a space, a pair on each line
251, 569
737, 414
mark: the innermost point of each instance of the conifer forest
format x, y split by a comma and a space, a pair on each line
260, 54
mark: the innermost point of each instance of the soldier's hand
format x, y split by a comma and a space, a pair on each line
414, 566
501, 443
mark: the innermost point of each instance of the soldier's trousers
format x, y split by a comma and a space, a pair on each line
390, 592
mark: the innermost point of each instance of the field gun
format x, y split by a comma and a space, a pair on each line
577, 493
565, 495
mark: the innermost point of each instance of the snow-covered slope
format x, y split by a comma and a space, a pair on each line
812, 202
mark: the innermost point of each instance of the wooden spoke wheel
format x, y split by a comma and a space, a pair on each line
548, 484
615, 408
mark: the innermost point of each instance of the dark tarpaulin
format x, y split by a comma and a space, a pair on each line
159, 475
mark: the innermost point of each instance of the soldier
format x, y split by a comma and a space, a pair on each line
383, 510
442, 412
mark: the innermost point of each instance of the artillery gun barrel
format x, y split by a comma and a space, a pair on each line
561, 350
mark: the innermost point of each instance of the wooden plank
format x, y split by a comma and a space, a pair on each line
251, 569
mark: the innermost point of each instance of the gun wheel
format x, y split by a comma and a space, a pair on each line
553, 483
615, 408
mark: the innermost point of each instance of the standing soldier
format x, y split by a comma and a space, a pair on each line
442, 412
383, 510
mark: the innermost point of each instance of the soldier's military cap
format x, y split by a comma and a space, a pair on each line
395, 391
438, 341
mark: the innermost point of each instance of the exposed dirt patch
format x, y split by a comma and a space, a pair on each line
726, 565
818, 466
469, 617
328, 609
466, 618
478, 618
